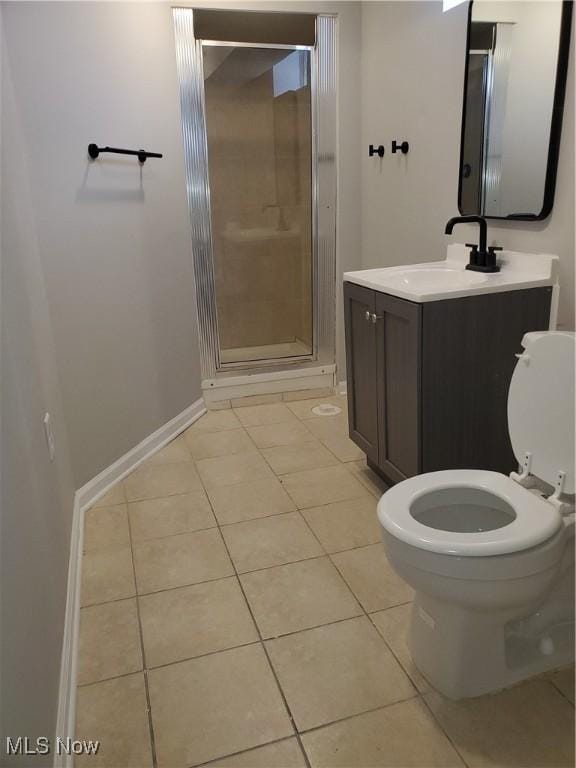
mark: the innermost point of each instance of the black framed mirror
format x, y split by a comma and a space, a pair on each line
514, 86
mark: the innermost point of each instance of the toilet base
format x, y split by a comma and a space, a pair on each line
465, 653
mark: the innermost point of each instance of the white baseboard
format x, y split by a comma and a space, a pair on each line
101, 484
83, 499
66, 716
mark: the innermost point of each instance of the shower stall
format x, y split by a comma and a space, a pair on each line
258, 116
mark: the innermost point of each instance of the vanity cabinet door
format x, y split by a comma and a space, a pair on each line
398, 360
359, 307
469, 348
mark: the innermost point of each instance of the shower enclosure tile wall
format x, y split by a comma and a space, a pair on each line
259, 137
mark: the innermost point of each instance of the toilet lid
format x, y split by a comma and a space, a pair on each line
541, 406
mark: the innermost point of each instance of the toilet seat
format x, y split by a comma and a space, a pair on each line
535, 519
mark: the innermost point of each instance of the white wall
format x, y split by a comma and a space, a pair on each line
98, 323
36, 496
412, 87
114, 239
115, 243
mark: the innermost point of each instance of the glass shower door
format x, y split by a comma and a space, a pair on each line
259, 138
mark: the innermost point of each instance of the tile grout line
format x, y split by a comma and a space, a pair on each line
312, 506
233, 647
225, 525
278, 477
326, 554
237, 576
261, 640
143, 652
390, 649
246, 573
307, 731
442, 729
553, 684
418, 694
112, 677
253, 519
345, 719
264, 649
173, 663
393, 654
171, 535
241, 752
218, 524
140, 542
368, 615
322, 548
296, 420
365, 613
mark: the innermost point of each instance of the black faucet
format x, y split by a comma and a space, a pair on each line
482, 259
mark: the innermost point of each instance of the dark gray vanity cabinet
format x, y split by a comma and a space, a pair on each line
398, 363
428, 382
360, 305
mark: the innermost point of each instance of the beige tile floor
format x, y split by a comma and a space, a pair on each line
239, 610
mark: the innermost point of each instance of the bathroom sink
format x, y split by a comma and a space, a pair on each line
439, 278
449, 279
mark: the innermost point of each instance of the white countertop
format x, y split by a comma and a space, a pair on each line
518, 271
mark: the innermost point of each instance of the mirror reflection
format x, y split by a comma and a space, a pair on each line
509, 100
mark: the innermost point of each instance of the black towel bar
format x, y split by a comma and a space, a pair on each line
94, 150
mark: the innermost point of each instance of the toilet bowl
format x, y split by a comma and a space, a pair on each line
491, 557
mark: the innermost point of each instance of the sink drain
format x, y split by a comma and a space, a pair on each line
326, 409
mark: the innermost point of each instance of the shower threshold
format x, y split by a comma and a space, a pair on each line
305, 375
278, 351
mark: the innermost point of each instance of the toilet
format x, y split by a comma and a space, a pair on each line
491, 557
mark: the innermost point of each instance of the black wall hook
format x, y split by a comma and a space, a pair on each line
400, 147
379, 150
94, 150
